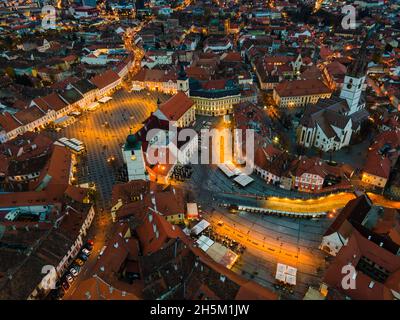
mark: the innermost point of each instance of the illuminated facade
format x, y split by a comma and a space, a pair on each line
299, 93
215, 97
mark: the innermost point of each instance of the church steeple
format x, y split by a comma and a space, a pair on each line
183, 80
358, 68
182, 73
355, 77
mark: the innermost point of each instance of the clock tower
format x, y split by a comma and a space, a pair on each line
354, 80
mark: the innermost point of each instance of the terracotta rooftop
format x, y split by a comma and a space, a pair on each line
368, 287
301, 88
175, 107
105, 79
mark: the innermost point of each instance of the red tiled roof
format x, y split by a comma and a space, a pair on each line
176, 106
103, 80
336, 68
54, 101
8, 122
95, 288
380, 165
29, 115
214, 84
358, 206
301, 88
58, 168
153, 235
358, 247
377, 165
232, 57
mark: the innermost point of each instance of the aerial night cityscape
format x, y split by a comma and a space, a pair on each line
160, 150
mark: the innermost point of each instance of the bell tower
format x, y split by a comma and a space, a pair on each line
183, 81
354, 80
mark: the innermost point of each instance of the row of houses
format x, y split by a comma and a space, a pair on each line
304, 174
363, 238
77, 96
43, 227
151, 258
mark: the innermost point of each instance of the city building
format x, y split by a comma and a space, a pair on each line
330, 123
134, 158
377, 224
214, 97
299, 93
381, 158
179, 110
272, 164
376, 271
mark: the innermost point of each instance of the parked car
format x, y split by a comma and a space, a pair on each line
91, 242
79, 262
88, 246
76, 267
69, 278
86, 251
83, 257
74, 272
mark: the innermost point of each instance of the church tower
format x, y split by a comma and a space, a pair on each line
354, 80
183, 81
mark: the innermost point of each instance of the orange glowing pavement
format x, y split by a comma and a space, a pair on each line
324, 204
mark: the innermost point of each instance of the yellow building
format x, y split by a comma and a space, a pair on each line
299, 93
373, 180
214, 97
179, 109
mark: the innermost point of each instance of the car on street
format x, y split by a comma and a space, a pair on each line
74, 272
86, 251
79, 262
69, 278
88, 246
83, 257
